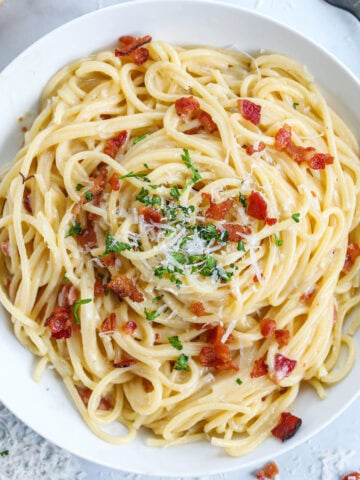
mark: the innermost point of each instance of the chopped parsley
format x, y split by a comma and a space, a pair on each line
147, 166
146, 199
175, 193
182, 363
65, 279
157, 299
4, 453
241, 246
295, 105
175, 342
161, 271
112, 245
239, 381
75, 229
79, 187
142, 137
278, 242
296, 217
88, 195
76, 308
242, 200
185, 157
141, 176
151, 315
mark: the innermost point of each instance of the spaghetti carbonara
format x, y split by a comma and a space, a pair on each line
180, 240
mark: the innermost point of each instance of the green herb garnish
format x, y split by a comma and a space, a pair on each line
138, 139
242, 200
4, 453
175, 193
296, 217
88, 195
157, 299
185, 157
182, 363
146, 199
147, 166
141, 176
76, 308
112, 245
75, 229
151, 315
278, 242
175, 342
79, 187
295, 105
238, 381
241, 246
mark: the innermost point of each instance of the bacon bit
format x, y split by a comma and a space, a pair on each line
283, 367
256, 207
352, 253
283, 138
215, 335
282, 337
125, 363
68, 295
108, 260
60, 322
256, 279
217, 211
236, 232
27, 200
157, 336
270, 221
287, 426
113, 145
250, 149
250, 111
130, 46
4, 246
307, 295
300, 154
109, 324
320, 160
105, 116
260, 368
187, 107
129, 327
203, 326
207, 122
150, 215
87, 237
92, 216
267, 327
114, 182
76, 208
139, 55
217, 357
197, 308
352, 476
269, 471
85, 394
99, 288
99, 182
125, 287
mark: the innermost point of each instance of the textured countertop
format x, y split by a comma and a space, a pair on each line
336, 450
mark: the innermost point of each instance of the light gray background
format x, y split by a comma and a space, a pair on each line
329, 454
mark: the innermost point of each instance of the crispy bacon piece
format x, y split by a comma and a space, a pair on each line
320, 160
270, 221
60, 323
113, 145
197, 308
256, 207
260, 368
125, 363
99, 288
68, 295
269, 471
125, 287
207, 122
109, 324
352, 476
256, 279
150, 215
109, 259
287, 426
203, 326
4, 246
283, 138
250, 111
129, 327
250, 149
217, 357
282, 337
27, 200
87, 237
131, 45
307, 295
85, 394
217, 211
236, 232
114, 182
352, 253
215, 335
99, 181
187, 107
139, 55
267, 327
283, 366
300, 154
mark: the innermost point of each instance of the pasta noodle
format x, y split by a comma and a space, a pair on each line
180, 240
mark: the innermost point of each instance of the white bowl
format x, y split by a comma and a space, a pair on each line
45, 407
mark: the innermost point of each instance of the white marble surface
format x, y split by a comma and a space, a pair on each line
329, 454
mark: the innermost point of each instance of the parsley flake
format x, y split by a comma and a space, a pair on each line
76, 308
141, 176
112, 245
174, 192
278, 241
242, 200
157, 299
4, 453
295, 105
175, 342
147, 166
241, 246
182, 363
239, 381
75, 229
88, 195
296, 217
146, 199
142, 137
151, 315
185, 157
79, 187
